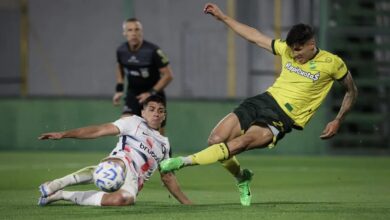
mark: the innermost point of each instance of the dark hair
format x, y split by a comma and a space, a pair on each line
154, 98
131, 20
299, 34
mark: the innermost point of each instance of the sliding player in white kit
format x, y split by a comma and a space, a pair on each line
139, 151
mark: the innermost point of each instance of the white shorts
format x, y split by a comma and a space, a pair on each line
131, 180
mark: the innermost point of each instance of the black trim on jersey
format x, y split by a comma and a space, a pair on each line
273, 47
123, 142
134, 165
315, 54
144, 157
132, 138
342, 78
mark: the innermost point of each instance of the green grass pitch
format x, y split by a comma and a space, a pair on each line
284, 187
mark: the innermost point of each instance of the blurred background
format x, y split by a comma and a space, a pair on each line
58, 59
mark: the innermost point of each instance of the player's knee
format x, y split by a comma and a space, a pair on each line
122, 199
215, 139
247, 139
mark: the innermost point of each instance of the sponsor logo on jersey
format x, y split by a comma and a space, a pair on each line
133, 59
144, 72
301, 72
149, 151
131, 72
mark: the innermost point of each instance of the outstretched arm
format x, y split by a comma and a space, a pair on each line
89, 132
249, 33
170, 181
348, 101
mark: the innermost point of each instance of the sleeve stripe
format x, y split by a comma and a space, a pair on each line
273, 47
345, 74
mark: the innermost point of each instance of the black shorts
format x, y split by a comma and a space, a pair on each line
132, 106
263, 110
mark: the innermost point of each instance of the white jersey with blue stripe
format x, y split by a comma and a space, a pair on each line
142, 147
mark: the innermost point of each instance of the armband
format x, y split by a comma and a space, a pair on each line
153, 92
119, 87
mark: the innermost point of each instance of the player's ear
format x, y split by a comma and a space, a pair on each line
165, 115
312, 42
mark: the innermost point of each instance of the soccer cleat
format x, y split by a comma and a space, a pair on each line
44, 189
171, 164
43, 201
244, 189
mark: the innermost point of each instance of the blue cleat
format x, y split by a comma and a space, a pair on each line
42, 201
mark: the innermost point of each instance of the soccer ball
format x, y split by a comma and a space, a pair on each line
109, 176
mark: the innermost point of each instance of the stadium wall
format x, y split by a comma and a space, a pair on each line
189, 123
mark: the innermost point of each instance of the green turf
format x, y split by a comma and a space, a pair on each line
283, 188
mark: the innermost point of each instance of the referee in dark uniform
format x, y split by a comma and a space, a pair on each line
144, 65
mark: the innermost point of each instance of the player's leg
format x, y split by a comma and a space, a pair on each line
245, 176
255, 137
228, 126
126, 195
227, 129
91, 198
118, 198
82, 176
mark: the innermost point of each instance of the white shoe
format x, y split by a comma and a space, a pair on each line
45, 190
49, 188
43, 201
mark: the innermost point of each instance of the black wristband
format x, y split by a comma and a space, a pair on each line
119, 87
153, 92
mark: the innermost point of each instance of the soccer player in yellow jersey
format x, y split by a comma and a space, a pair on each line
260, 121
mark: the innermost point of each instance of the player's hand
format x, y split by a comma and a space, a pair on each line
51, 136
330, 129
116, 99
213, 10
142, 97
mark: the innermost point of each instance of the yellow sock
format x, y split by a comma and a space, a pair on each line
212, 154
232, 165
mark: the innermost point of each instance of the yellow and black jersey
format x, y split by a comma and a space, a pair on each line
301, 88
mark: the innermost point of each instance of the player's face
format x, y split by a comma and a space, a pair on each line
154, 114
303, 53
133, 33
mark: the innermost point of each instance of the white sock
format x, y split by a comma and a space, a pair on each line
53, 198
84, 175
93, 198
187, 161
